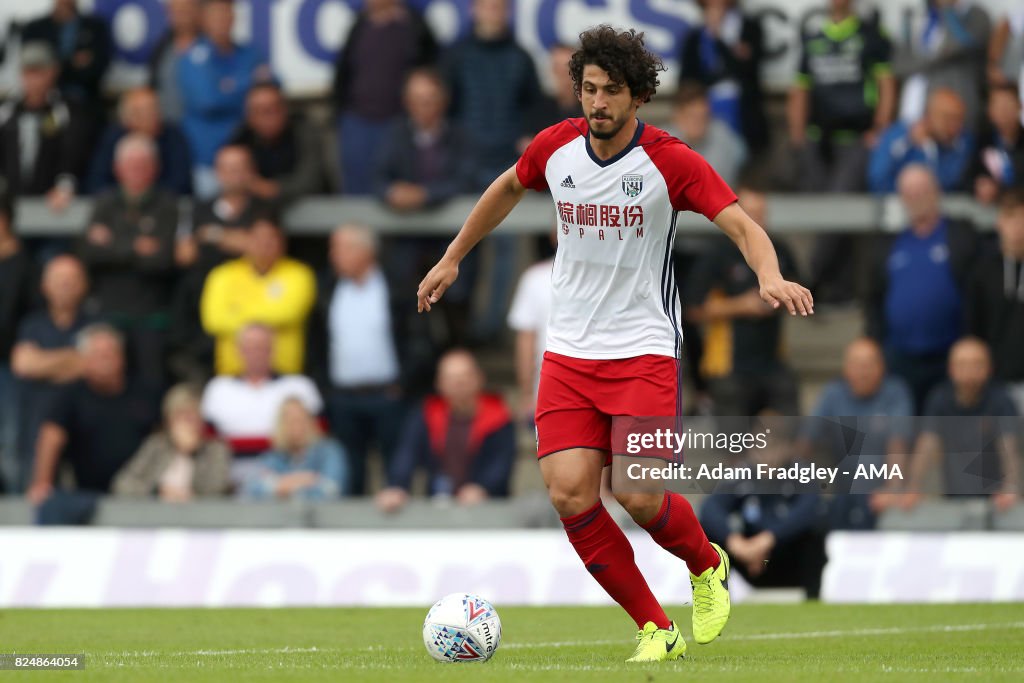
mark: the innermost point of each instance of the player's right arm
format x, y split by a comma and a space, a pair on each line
497, 202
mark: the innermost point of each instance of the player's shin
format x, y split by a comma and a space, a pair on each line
676, 529
608, 556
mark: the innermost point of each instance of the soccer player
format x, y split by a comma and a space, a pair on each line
613, 340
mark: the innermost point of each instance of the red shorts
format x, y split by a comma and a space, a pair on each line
578, 398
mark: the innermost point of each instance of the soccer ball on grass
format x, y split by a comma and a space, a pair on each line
462, 628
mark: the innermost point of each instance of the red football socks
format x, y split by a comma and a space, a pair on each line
676, 529
608, 557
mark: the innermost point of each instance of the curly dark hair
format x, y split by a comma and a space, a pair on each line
623, 55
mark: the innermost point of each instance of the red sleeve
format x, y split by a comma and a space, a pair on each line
692, 184
531, 166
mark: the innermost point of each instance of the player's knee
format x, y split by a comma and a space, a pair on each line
569, 500
642, 507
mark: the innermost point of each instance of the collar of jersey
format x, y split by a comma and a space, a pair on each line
838, 32
625, 150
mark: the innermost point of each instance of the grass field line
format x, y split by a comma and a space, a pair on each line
287, 650
794, 635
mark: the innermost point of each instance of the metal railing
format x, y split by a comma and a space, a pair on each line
787, 214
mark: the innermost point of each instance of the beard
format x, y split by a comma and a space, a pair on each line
609, 134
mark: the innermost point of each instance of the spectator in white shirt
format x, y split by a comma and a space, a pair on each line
243, 410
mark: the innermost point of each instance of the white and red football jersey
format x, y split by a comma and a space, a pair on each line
613, 290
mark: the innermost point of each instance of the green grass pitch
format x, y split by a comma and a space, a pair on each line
763, 643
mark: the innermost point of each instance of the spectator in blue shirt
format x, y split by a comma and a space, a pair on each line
915, 302
302, 464
939, 140
214, 76
875, 406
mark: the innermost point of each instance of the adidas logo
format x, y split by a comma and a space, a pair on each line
568, 182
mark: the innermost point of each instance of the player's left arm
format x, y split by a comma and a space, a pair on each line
757, 249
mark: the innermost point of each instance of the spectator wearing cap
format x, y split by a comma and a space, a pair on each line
16, 286
138, 111
387, 40
243, 408
919, 278
44, 358
129, 251
44, 145
95, 426
180, 462
938, 140
183, 30
214, 76
263, 287
995, 300
286, 149
303, 464
999, 164
463, 437
83, 48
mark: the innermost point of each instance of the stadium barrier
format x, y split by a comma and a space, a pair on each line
527, 511
106, 567
522, 512
787, 214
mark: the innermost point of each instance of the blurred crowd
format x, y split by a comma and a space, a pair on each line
188, 353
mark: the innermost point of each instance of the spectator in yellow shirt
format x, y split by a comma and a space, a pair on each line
265, 287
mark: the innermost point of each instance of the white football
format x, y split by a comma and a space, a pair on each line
462, 628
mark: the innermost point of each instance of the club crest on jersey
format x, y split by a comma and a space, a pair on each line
632, 185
